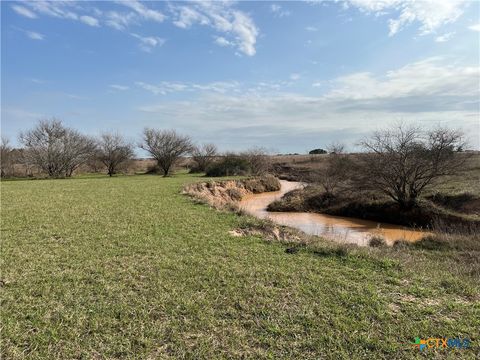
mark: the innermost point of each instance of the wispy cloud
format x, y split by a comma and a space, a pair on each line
221, 41
429, 14
148, 43
21, 10
279, 11
119, 21
34, 35
166, 87
119, 87
475, 27
143, 11
237, 27
445, 37
311, 28
89, 20
294, 76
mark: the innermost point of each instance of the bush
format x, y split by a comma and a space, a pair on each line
377, 241
262, 184
230, 165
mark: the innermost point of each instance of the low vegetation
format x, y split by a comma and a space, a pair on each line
85, 276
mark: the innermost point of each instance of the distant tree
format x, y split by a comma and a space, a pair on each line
5, 157
204, 156
230, 164
258, 159
113, 151
78, 150
335, 175
166, 146
56, 149
317, 151
404, 161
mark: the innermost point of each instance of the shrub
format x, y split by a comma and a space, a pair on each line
376, 241
230, 165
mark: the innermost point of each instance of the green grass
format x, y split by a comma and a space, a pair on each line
128, 268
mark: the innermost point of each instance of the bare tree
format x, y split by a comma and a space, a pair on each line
335, 175
56, 149
113, 151
204, 156
78, 150
403, 161
258, 159
166, 146
5, 157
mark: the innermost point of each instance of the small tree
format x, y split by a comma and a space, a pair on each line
166, 146
5, 157
113, 151
56, 149
204, 156
402, 162
336, 171
317, 151
78, 149
258, 159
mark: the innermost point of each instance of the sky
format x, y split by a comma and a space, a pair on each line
287, 76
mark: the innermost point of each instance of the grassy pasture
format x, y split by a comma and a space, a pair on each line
128, 267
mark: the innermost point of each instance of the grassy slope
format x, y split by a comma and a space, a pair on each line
129, 268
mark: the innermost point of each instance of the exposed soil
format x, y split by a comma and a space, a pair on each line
221, 194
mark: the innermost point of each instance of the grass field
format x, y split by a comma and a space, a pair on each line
128, 267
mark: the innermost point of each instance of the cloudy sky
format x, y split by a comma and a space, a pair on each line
290, 76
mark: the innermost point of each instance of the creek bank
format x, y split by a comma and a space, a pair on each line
371, 207
226, 193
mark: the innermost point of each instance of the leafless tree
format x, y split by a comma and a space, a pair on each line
166, 146
78, 150
56, 149
335, 175
258, 160
113, 151
403, 161
5, 157
204, 156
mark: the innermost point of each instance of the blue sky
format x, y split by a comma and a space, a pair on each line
290, 76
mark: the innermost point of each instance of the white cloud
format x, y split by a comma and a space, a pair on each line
119, 21
89, 20
426, 92
429, 14
143, 11
294, 76
221, 41
236, 26
445, 37
188, 16
119, 87
311, 28
167, 87
24, 11
148, 43
58, 9
34, 35
475, 27
279, 11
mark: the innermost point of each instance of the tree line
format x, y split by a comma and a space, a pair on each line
400, 162
58, 150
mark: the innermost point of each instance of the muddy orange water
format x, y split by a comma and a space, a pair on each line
337, 228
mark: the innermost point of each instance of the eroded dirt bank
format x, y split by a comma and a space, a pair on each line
225, 193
